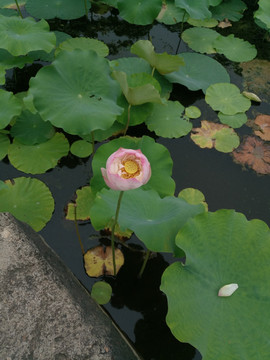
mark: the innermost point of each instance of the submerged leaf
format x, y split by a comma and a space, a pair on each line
263, 121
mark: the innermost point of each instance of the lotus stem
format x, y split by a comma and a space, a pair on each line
128, 120
153, 71
113, 228
77, 229
181, 30
19, 10
144, 263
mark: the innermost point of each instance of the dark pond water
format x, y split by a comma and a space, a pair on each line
137, 306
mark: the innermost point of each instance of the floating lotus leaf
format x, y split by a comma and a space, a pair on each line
227, 99
196, 74
234, 49
164, 63
84, 44
37, 159
81, 148
193, 196
8, 12
81, 209
101, 292
155, 221
200, 39
219, 136
230, 9
170, 14
207, 23
62, 9
76, 92
139, 12
157, 154
4, 144
254, 153
10, 4
3, 185
263, 13
31, 129
8, 61
98, 262
193, 112
116, 129
29, 200
10, 106
19, 36
218, 247
195, 9
110, 2
167, 120
234, 121
263, 121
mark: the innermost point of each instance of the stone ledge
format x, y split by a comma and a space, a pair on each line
45, 313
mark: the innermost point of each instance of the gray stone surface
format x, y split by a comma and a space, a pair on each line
45, 313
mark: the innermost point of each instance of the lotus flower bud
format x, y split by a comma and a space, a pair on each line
126, 169
227, 290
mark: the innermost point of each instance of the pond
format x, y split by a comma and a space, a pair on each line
138, 306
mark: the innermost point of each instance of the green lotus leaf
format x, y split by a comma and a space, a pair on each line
138, 88
8, 12
155, 221
235, 121
214, 2
218, 247
84, 44
196, 9
193, 196
170, 14
140, 12
208, 23
229, 9
76, 92
138, 113
235, 49
29, 200
3, 185
19, 36
62, 9
81, 209
196, 74
10, 106
158, 156
263, 13
81, 148
167, 120
8, 61
30, 129
4, 144
226, 140
101, 292
110, 2
37, 159
27, 101
200, 39
116, 129
227, 99
164, 63
193, 112
9, 4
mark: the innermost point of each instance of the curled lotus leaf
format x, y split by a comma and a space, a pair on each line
263, 121
254, 153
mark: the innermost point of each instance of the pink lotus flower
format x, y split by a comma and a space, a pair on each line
126, 169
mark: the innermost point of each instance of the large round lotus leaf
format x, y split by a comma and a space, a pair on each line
155, 221
37, 159
234, 121
196, 9
199, 72
263, 13
10, 106
158, 156
62, 9
235, 49
30, 129
200, 39
76, 92
167, 120
229, 9
221, 248
19, 36
170, 14
85, 44
8, 61
139, 12
4, 144
227, 99
138, 113
29, 200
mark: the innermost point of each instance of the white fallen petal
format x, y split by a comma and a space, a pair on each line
227, 290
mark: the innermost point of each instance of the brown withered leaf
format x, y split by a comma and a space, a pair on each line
224, 24
263, 121
255, 153
98, 262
